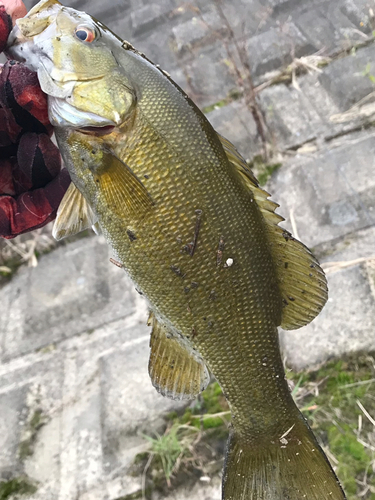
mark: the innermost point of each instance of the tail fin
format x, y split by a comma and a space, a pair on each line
294, 468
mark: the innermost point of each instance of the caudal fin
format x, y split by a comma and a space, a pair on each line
293, 468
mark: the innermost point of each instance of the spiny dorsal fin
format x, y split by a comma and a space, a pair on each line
175, 369
73, 215
121, 190
301, 280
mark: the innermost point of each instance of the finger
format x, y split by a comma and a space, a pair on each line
38, 162
33, 209
5, 27
20, 91
6, 177
15, 8
9, 133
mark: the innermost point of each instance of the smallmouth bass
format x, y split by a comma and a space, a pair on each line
200, 239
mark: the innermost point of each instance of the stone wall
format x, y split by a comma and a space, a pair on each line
74, 390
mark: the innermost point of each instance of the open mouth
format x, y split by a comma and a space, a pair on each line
98, 131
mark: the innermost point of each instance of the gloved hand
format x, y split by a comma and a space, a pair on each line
32, 183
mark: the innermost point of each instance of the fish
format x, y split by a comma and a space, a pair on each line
188, 221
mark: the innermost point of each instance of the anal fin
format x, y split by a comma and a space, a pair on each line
176, 371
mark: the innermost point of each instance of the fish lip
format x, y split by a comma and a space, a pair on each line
97, 131
15, 39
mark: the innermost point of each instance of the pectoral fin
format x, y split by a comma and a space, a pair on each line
175, 369
73, 215
120, 189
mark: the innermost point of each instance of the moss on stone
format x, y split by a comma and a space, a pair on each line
16, 486
134, 496
263, 170
36, 422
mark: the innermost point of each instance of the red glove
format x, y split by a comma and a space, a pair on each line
32, 183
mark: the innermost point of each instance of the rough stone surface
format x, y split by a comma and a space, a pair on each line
347, 323
45, 310
290, 116
272, 49
236, 123
75, 396
359, 70
325, 30
330, 192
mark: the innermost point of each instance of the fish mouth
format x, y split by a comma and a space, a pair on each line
97, 131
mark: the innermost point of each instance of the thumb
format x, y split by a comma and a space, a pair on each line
15, 8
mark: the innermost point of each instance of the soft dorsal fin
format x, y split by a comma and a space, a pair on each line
73, 215
301, 280
176, 371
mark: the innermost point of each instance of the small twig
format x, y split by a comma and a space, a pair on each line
211, 415
295, 68
198, 213
116, 263
144, 475
359, 424
330, 267
247, 80
366, 445
15, 248
355, 384
355, 111
366, 413
287, 432
331, 456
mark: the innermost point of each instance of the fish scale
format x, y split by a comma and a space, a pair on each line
203, 269
200, 239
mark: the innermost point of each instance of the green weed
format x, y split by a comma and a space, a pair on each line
338, 400
36, 422
16, 486
172, 447
367, 73
335, 400
263, 170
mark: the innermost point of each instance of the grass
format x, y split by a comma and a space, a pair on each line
338, 400
263, 170
36, 422
16, 486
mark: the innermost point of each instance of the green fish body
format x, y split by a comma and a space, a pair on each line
189, 223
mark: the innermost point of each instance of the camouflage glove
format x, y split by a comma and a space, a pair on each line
32, 183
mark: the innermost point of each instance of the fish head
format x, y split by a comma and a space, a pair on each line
73, 55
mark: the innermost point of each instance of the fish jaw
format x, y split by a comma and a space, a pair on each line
63, 114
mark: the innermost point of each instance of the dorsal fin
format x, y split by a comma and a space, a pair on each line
302, 282
176, 371
73, 215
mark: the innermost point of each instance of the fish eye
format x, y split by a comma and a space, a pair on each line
85, 34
